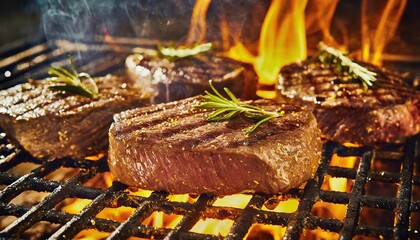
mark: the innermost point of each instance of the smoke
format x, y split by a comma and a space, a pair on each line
83, 20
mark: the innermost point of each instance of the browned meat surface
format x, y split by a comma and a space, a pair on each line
389, 112
53, 124
170, 80
172, 147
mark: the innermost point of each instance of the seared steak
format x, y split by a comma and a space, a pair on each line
173, 147
170, 80
54, 124
388, 112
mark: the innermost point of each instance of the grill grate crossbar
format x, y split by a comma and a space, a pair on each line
103, 59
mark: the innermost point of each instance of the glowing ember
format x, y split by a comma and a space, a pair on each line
213, 226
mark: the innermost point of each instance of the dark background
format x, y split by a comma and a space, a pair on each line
19, 19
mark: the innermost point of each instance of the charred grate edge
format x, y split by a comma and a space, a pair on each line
116, 195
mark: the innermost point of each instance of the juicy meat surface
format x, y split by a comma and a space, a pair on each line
172, 147
55, 124
388, 112
171, 80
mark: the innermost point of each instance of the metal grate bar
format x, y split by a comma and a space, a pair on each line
353, 209
84, 219
14, 189
131, 226
53, 217
191, 217
98, 59
247, 217
311, 194
35, 214
404, 194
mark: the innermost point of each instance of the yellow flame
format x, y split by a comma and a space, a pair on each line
236, 201
76, 206
374, 44
318, 17
197, 31
213, 226
287, 206
259, 231
282, 39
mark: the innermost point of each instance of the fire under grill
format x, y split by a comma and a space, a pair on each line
380, 202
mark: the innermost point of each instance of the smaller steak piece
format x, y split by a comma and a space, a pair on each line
388, 112
171, 80
55, 124
172, 147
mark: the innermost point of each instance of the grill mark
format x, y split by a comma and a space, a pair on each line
126, 127
65, 103
44, 105
135, 113
208, 136
184, 138
161, 114
11, 95
392, 88
269, 130
21, 99
153, 136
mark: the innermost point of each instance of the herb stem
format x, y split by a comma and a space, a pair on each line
343, 63
226, 109
71, 81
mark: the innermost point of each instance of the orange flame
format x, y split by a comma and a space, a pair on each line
374, 41
282, 41
197, 31
318, 17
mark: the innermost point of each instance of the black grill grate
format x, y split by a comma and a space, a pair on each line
404, 204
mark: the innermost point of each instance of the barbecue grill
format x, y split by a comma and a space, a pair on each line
32, 60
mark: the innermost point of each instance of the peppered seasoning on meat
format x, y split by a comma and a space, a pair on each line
54, 124
387, 112
173, 147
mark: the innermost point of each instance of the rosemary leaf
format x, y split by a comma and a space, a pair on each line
226, 109
72, 81
342, 64
182, 52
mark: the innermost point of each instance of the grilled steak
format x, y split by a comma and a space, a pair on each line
170, 80
54, 124
346, 112
173, 147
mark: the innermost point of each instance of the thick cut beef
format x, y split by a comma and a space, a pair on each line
173, 147
170, 80
388, 112
54, 124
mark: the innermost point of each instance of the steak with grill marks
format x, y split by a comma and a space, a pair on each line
388, 112
171, 80
54, 124
172, 147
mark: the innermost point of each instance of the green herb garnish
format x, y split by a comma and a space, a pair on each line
226, 109
182, 52
344, 64
72, 81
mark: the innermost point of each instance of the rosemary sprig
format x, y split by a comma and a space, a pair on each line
344, 64
72, 81
183, 52
226, 109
